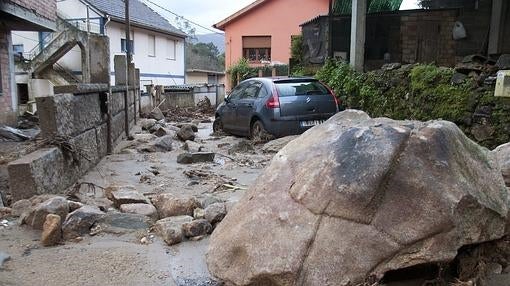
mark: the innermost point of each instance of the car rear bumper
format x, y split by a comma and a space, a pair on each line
280, 127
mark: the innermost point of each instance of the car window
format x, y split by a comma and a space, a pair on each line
251, 91
301, 88
263, 92
237, 91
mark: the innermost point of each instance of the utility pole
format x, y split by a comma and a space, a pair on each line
330, 30
128, 59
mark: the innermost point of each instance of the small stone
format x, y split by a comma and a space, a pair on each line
192, 147
19, 207
157, 114
56, 205
79, 222
52, 230
121, 223
4, 257
208, 200
215, 212
199, 213
192, 158
126, 195
5, 212
142, 209
170, 229
147, 124
170, 205
186, 133
74, 205
197, 228
494, 268
144, 240
164, 144
458, 78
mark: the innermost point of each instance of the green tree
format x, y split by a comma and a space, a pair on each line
204, 56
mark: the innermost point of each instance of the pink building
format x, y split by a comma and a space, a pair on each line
261, 32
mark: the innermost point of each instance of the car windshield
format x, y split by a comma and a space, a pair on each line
300, 88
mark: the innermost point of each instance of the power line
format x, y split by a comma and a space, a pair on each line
179, 16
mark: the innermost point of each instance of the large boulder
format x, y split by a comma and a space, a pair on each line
171, 228
503, 155
357, 197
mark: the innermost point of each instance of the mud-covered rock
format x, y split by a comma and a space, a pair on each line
20, 207
52, 230
197, 227
503, 155
164, 143
171, 205
186, 133
157, 114
199, 213
148, 123
125, 195
215, 213
37, 215
170, 229
193, 158
357, 197
142, 209
79, 222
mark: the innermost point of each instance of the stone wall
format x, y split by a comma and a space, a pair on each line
427, 37
44, 8
81, 120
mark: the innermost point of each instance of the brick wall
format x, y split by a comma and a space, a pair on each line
5, 97
44, 8
427, 37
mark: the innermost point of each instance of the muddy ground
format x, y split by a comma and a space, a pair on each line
120, 258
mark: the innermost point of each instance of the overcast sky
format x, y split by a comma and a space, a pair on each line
209, 12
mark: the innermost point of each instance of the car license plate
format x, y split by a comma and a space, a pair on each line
310, 123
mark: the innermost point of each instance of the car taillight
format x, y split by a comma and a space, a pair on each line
337, 101
273, 101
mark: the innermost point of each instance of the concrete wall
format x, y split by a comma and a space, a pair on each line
202, 78
81, 120
193, 96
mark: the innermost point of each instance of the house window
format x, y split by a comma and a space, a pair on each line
18, 49
123, 46
257, 49
152, 46
170, 49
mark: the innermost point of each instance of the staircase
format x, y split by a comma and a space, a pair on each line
58, 44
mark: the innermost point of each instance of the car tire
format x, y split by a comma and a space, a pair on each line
258, 132
218, 125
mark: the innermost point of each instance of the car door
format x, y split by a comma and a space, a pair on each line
246, 106
228, 115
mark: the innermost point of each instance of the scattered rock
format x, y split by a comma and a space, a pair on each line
161, 131
199, 213
503, 62
36, 217
503, 154
186, 133
356, 197
164, 144
126, 195
141, 209
208, 200
147, 124
156, 114
192, 158
144, 138
458, 78
192, 147
20, 207
197, 228
52, 230
391, 66
4, 257
215, 212
79, 222
170, 229
170, 205
5, 212
74, 205
243, 146
274, 146
121, 223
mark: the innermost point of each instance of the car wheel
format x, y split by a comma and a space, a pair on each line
218, 125
259, 133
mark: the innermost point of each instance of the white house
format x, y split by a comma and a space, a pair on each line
158, 47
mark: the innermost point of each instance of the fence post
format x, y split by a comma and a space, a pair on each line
273, 72
260, 73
